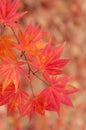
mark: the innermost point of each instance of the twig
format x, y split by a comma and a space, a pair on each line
29, 68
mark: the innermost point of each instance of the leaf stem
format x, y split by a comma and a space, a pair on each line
14, 34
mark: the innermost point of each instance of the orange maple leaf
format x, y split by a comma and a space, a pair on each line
10, 72
30, 41
6, 48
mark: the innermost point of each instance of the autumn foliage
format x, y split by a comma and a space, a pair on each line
26, 55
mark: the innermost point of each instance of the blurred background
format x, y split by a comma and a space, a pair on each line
65, 20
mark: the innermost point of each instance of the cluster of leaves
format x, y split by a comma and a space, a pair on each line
34, 54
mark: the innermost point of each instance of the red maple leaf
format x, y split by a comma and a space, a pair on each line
13, 100
18, 101
7, 94
49, 60
36, 104
58, 93
8, 12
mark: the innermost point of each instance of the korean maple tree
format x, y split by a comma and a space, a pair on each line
22, 58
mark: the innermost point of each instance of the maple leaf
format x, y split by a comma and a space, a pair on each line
7, 94
6, 46
30, 41
48, 60
18, 101
8, 12
37, 104
57, 93
13, 100
10, 72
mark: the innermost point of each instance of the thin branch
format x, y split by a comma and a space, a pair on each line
39, 78
23, 53
31, 88
15, 34
26, 62
34, 73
